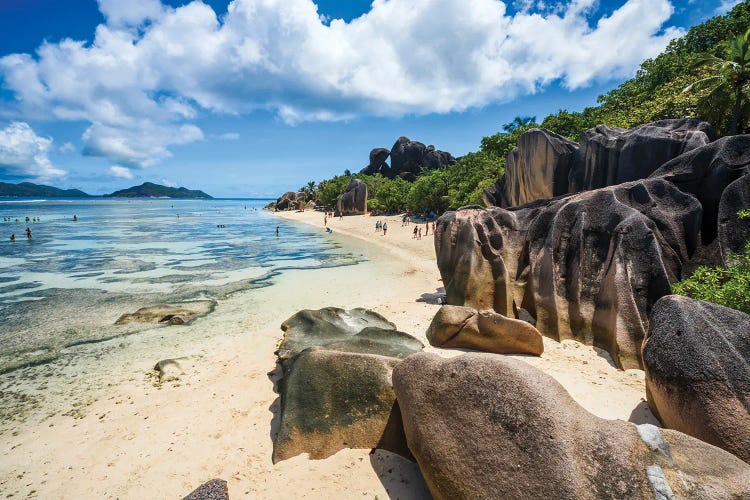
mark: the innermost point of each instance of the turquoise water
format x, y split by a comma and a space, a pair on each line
68, 284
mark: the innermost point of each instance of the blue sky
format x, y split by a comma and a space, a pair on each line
257, 97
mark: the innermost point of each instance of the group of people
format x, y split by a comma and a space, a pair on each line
28, 234
33, 219
381, 226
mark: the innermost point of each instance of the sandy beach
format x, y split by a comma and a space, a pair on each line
118, 434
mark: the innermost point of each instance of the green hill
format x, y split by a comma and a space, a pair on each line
31, 189
151, 190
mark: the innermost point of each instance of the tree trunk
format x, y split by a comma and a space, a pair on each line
737, 111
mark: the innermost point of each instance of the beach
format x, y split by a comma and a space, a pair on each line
119, 434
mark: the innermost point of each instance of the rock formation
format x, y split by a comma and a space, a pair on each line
587, 266
409, 159
457, 326
609, 156
167, 314
486, 426
290, 200
168, 370
354, 199
215, 489
697, 362
336, 388
536, 169
734, 232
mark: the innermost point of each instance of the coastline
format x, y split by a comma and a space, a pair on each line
135, 440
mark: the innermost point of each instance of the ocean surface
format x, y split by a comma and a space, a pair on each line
68, 284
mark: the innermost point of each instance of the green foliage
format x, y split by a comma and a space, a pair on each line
727, 286
520, 122
744, 213
329, 190
385, 195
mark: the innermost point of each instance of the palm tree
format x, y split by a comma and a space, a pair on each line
729, 73
519, 122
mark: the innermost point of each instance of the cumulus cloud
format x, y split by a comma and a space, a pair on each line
24, 153
67, 148
120, 172
725, 6
155, 68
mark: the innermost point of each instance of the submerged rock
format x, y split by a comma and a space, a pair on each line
587, 267
336, 389
215, 489
354, 199
458, 326
487, 426
697, 362
167, 314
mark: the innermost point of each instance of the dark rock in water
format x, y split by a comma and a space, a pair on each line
458, 326
412, 157
215, 489
336, 389
486, 426
734, 232
610, 156
587, 266
697, 362
705, 173
377, 163
167, 314
536, 169
354, 199
290, 200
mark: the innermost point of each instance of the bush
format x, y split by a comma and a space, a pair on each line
727, 286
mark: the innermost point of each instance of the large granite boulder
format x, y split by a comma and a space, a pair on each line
537, 168
410, 158
697, 362
290, 200
705, 173
464, 327
588, 266
734, 231
377, 164
486, 426
354, 199
168, 314
609, 156
336, 389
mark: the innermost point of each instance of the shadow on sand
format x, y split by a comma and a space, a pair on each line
437, 297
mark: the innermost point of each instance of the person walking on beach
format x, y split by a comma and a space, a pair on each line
433, 228
419, 236
414, 235
385, 228
426, 228
325, 221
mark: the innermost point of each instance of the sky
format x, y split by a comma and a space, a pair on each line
251, 98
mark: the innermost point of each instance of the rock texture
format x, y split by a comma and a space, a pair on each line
290, 200
377, 164
485, 426
588, 266
537, 168
168, 370
734, 232
610, 156
457, 326
167, 314
706, 172
215, 489
354, 199
409, 159
336, 388
697, 362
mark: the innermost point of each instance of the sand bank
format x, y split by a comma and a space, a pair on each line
113, 434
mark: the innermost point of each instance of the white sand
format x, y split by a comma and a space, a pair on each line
135, 440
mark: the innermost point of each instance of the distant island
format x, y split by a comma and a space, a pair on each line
31, 189
151, 190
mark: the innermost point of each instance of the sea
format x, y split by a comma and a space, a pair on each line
90, 260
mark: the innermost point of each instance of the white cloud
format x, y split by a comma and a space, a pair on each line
725, 6
120, 172
151, 69
229, 136
168, 183
66, 148
24, 153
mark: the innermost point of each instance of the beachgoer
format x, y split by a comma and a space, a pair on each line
325, 221
420, 234
75, 218
277, 230
28, 232
329, 230
433, 228
385, 228
12, 237
414, 235
426, 228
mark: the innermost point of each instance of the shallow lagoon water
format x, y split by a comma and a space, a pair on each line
70, 282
